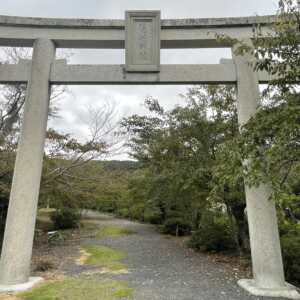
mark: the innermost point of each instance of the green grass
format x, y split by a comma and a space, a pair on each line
112, 231
104, 257
78, 289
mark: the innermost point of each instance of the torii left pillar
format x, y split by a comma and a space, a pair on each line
19, 231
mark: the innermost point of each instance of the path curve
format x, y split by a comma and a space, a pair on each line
161, 269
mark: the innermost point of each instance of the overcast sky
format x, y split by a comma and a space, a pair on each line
129, 99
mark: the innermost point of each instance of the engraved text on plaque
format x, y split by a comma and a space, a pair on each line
142, 41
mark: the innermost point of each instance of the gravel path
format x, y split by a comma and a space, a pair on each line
161, 269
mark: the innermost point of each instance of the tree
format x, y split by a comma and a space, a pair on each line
64, 154
12, 97
271, 139
180, 150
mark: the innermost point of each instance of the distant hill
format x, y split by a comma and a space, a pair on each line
123, 165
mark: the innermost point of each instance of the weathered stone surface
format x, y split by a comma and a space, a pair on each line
62, 73
169, 74
20, 224
262, 219
85, 33
287, 291
167, 23
15, 73
142, 41
11, 288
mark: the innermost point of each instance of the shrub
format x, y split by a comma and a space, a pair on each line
123, 212
106, 206
3, 214
136, 211
66, 218
152, 215
289, 228
291, 257
290, 243
214, 234
176, 226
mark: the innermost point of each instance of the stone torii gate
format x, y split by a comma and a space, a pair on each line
143, 34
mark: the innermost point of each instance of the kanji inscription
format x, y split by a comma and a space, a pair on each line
142, 41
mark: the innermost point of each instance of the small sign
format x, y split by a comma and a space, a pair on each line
142, 41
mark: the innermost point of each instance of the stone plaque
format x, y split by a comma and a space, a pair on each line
142, 41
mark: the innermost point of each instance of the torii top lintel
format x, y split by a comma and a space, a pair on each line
143, 34
110, 34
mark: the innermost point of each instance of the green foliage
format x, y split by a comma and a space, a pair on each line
290, 243
123, 212
79, 288
270, 140
94, 185
180, 151
176, 226
104, 257
215, 234
66, 218
6, 166
152, 214
137, 211
280, 54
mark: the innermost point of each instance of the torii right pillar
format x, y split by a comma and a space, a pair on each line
262, 219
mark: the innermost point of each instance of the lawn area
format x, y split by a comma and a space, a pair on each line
78, 289
113, 231
85, 286
104, 257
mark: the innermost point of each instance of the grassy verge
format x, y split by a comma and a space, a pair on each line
78, 289
113, 231
103, 257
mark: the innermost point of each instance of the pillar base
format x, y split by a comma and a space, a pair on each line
289, 291
10, 288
